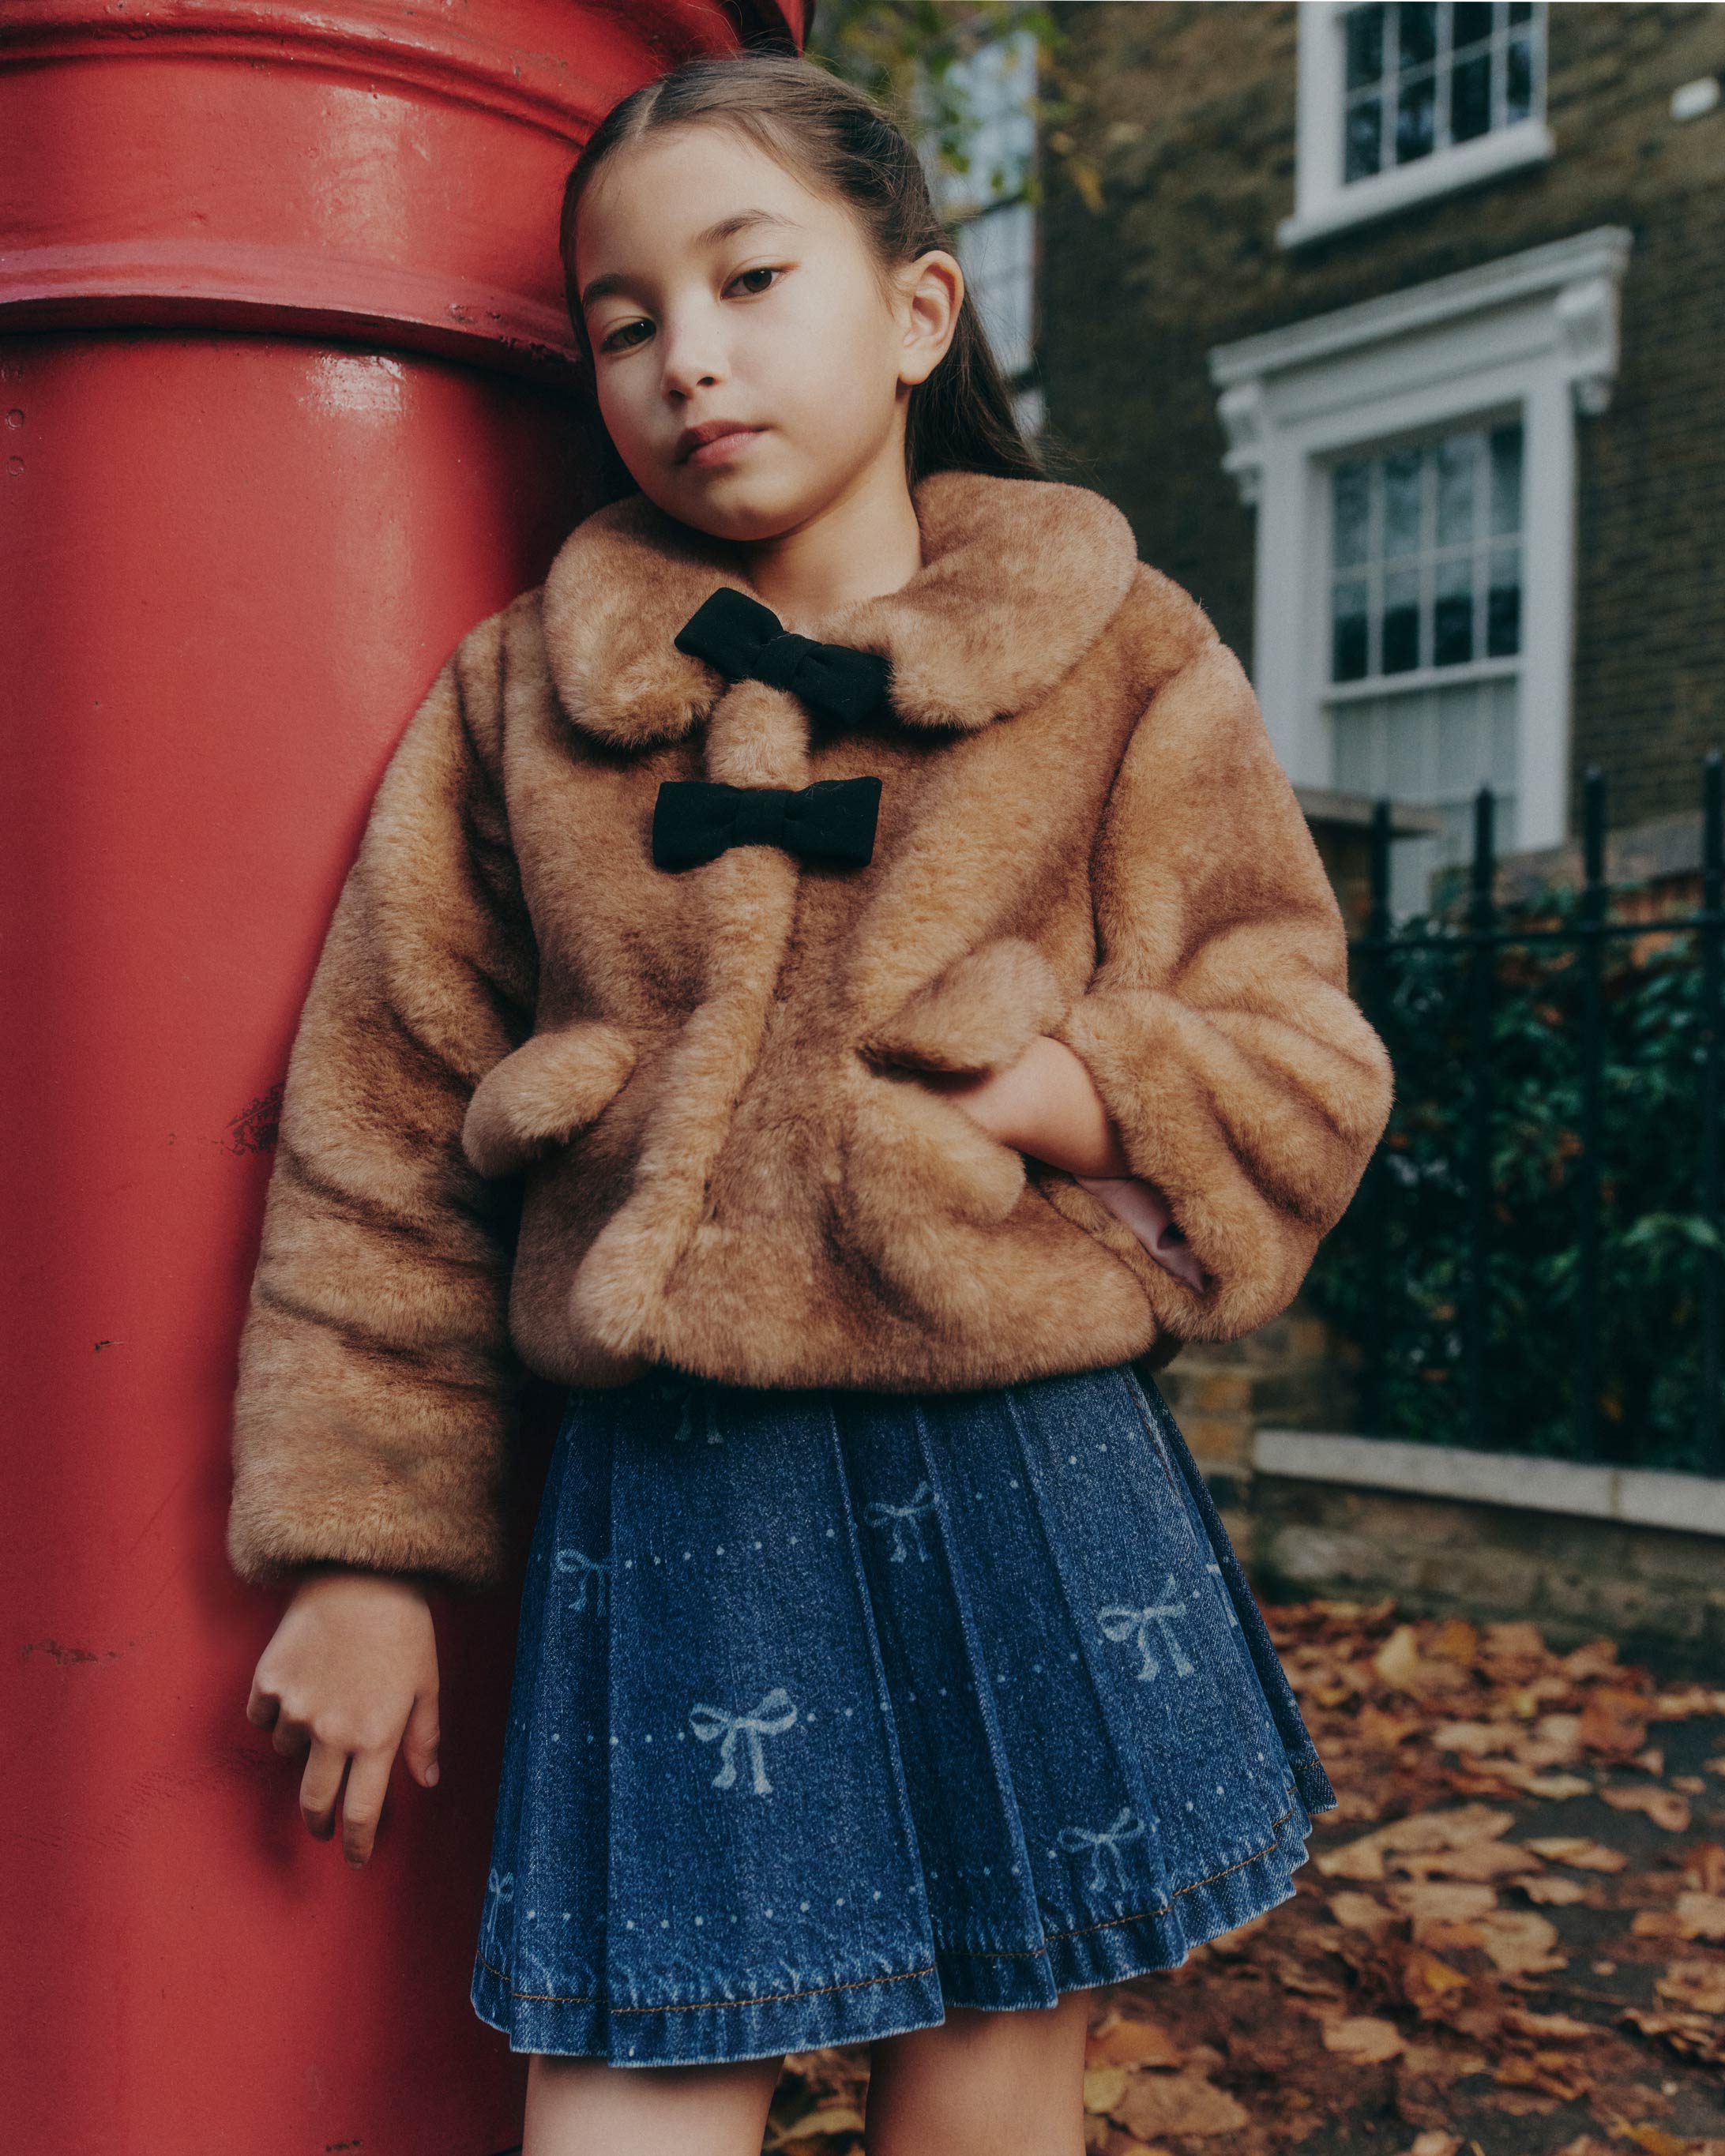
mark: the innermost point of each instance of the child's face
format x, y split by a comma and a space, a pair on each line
782, 326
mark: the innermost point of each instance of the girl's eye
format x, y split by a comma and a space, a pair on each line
624, 337
761, 269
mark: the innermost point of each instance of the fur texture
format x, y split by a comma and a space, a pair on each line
553, 1108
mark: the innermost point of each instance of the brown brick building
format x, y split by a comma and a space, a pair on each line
1399, 334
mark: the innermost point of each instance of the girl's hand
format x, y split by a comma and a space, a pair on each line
352, 1667
1044, 1102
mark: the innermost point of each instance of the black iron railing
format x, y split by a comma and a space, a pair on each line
1574, 942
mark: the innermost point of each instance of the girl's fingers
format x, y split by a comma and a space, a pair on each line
290, 1735
262, 1706
366, 1782
420, 1741
320, 1788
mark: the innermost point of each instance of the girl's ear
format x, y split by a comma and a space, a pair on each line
933, 286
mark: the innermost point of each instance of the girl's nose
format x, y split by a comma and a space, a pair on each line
689, 362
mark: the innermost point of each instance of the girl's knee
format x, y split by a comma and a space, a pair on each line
586, 2106
983, 2083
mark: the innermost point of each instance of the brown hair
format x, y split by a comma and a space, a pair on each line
844, 145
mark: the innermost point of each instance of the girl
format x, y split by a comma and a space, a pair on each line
837, 979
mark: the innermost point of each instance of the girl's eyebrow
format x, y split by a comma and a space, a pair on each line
740, 223
742, 220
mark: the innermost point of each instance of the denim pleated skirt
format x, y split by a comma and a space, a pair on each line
833, 1708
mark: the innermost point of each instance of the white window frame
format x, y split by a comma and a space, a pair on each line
1534, 333
1323, 201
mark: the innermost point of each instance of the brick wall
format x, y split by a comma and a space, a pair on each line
1188, 113
1660, 1591
1292, 1373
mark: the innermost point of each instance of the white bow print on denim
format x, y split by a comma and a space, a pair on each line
772, 1714
577, 1561
898, 1517
1222, 1589
1126, 1827
1122, 1624
497, 1892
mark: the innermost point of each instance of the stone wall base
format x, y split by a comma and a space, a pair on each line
1580, 1549
1654, 1590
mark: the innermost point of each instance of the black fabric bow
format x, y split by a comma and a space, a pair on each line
694, 820
740, 636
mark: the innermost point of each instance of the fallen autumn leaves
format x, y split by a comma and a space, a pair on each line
1522, 1955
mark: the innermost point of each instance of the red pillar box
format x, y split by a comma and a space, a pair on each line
283, 372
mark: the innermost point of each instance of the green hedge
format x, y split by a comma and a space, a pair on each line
1657, 1247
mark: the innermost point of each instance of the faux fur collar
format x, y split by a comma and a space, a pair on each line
1018, 578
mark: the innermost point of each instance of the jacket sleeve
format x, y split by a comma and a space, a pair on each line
377, 1387
1244, 1081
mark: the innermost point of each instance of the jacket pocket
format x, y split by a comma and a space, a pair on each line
921, 1178
921, 1187
551, 1088
908, 1149
978, 1015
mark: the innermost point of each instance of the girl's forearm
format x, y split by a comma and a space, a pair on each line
1044, 1102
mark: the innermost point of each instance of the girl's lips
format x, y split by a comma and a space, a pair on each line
726, 446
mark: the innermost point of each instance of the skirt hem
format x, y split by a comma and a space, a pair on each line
995, 1979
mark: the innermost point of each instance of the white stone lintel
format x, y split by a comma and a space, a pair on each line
1578, 275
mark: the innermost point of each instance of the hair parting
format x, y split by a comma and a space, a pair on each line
840, 143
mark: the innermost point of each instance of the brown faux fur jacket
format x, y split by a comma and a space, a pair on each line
550, 1107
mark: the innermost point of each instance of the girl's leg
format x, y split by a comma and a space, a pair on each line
1000, 2083
589, 2107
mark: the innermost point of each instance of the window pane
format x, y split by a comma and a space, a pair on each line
1503, 605
1452, 619
1357, 735
1425, 564
988, 162
1415, 120
1436, 77
1457, 456
1348, 633
1506, 480
1353, 499
1518, 100
996, 252
1402, 490
1030, 403
997, 79
994, 233
1521, 11
1409, 745
1401, 621
1433, 745
1470, 99
1365, 138
1418, 31
1460, 724
1502, 700
1365, 46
